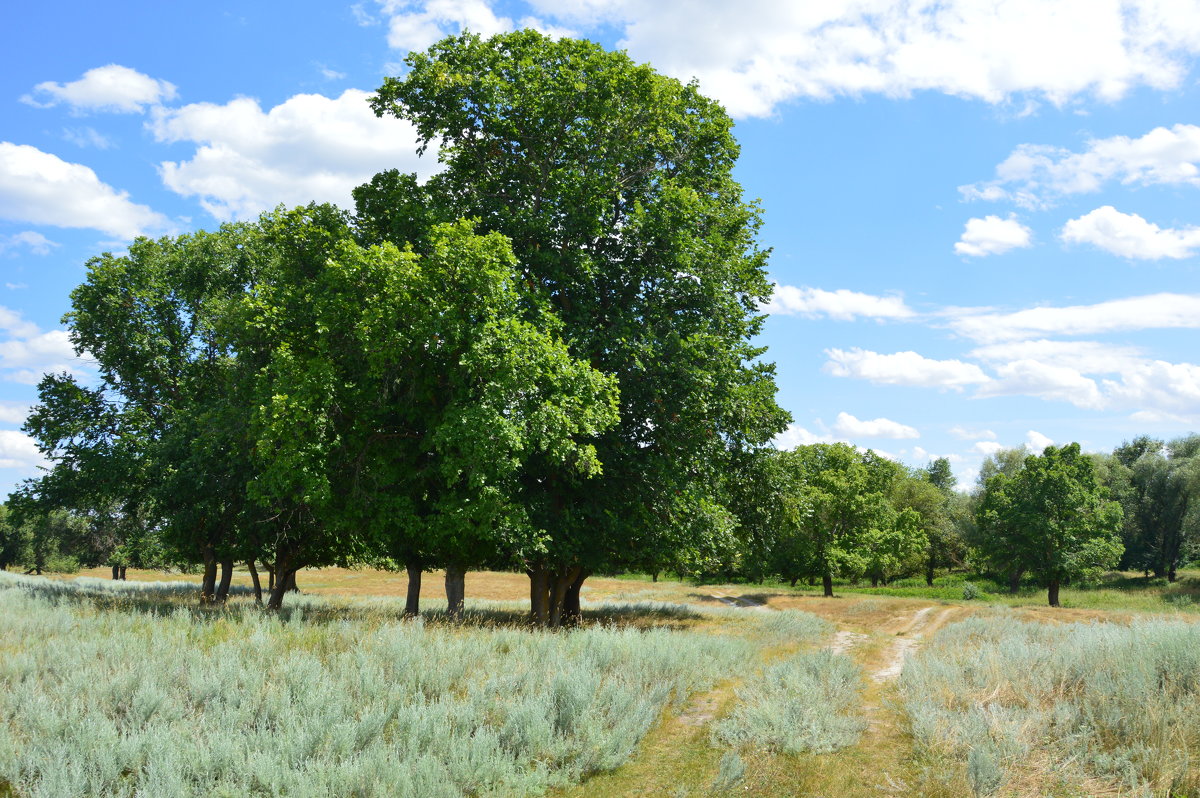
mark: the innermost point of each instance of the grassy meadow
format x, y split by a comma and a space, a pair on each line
669, 688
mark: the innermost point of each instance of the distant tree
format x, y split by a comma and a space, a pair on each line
14, 539
1055, 516
993, 544
842, 509
928, 492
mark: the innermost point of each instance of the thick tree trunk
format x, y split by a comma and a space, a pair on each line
539, 596
289, 582
208, 586
455, 590
270, 575
559, 582
654, 576
226, 579
116, 572
1171, 574
277, 593
572, 612
929, 573
1053, 593
123, 573
827, 583
793, 580
412, 602
254, 580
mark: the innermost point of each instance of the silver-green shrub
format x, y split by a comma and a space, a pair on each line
119, 698
809, 702
1099, 700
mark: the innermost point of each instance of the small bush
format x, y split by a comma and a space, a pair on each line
807, 703
969, 591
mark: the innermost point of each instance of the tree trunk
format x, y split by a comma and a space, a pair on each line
793, 580
1171, 574
208, 586
289, 582
254, 580
1014, 581
226, 579
276, 599
654, 576
827, 583
123, 573
270, 575
560, 581
539, 596
929, 573
572, 612
874, 581
455, 590
116, 572
412, 603
1054, 593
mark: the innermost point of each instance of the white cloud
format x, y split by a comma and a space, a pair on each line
17, 450
33, 242
842, 304
1044, 381
757, 54
1036, 175
308, 148
1088, 357
416, 25
107, 88
1150, 312
1036, 442
992, 235
962, 433
986, 447
795, 435
903, 368
921, 456
1130, 236
1157, 386
852, 427
39, 188
27, 352
13, 412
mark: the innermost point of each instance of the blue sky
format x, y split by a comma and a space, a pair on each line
983, 215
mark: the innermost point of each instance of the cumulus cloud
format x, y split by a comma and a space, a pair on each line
13, 412
1157, 386
992, 235
1037, 175
852, 427
756, 55
1130, 236
39, 188
308, 148
903, 368
26, 241
986, 447
1036, 442
842, 304
1150, 312
796, 435
112, 88
27, 352
17, 450
1044, 381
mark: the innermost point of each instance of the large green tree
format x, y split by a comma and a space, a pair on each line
1055, 517
401, 394
615, 186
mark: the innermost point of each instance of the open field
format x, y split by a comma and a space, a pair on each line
669, 689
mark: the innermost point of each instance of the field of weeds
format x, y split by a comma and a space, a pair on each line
126, 689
